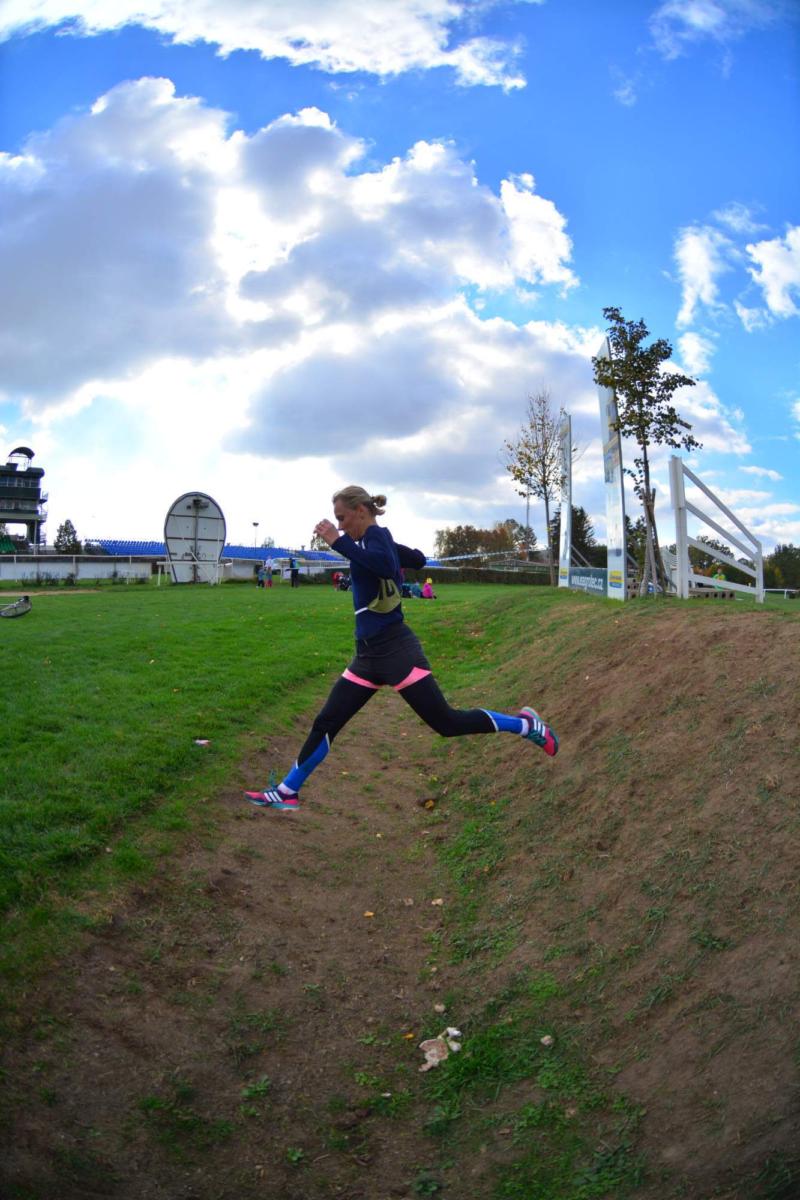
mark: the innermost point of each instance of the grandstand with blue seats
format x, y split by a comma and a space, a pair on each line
133, 549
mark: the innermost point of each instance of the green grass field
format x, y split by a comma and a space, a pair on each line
108, 691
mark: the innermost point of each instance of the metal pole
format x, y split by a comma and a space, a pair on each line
528, 524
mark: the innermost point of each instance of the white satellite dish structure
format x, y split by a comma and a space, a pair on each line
194, 534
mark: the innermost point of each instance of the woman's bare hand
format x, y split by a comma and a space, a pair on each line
327, 531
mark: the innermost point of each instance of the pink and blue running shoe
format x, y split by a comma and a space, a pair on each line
540, 733
273, 798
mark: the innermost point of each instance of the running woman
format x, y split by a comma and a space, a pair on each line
388, 653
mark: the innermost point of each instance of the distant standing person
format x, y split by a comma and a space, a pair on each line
268, 568
293, 570
388, 653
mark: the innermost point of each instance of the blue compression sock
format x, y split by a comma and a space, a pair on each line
503, 723
301, 771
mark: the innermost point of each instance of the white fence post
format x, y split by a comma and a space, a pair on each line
686, 576
679, 505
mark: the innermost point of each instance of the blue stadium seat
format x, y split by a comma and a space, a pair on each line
126, 548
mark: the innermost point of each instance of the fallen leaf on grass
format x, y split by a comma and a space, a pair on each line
369, 914
437, 1049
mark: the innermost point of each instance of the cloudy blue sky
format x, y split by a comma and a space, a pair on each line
264, 250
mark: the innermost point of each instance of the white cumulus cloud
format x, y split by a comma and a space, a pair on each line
777, 271
738, 217
718, 428
384, 37
763, 473
751, 318
701, 253
144, 229
677, 25
106, 225
696, 352
540, 247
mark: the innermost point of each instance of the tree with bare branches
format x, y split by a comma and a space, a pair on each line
534, 460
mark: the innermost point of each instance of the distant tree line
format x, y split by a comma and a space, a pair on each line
511, 537
504, 537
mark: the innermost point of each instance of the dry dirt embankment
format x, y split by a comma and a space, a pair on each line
238, 1026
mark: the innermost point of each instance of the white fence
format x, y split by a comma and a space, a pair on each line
28, 568
751, 548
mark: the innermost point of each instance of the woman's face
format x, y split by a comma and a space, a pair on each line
352, 521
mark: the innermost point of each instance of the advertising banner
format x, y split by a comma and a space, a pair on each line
565, 538
588, 579
615, 490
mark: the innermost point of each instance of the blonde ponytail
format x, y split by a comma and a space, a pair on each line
354, 495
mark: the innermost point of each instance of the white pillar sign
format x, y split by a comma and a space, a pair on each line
615, 490
565, 536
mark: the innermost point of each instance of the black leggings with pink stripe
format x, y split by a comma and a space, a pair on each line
395, 659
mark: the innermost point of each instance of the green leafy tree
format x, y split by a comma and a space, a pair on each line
504, 537
12, 543
583, 539
644, 392
523, 539
534, 460
460, 540
701, 560
67, 539
6, 543
499, 539
636, 540
705, 563
782, 567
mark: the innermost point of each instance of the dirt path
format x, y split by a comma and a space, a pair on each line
293, 951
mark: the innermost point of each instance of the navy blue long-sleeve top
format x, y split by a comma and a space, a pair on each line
374, 557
